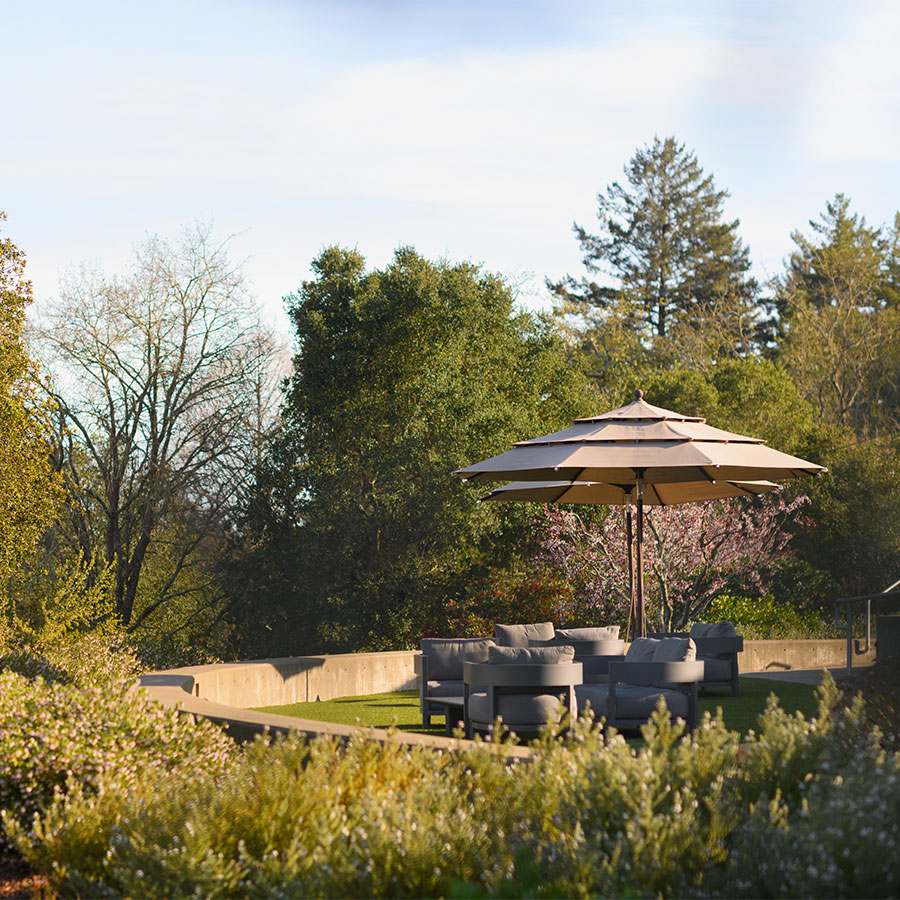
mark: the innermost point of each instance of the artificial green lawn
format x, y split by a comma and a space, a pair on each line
401, 708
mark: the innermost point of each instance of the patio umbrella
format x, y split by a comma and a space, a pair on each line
596, 493
636, 446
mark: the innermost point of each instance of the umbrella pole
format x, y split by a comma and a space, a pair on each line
629, 543
641, 616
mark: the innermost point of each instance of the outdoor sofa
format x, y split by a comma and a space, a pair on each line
525, 686
651, 670
718, 646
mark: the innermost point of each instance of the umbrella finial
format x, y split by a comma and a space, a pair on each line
638, 395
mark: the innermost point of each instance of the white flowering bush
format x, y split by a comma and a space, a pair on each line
806, 808
56, 737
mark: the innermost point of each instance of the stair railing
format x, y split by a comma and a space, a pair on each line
848, 602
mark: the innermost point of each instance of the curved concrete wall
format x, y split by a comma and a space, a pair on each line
224, 692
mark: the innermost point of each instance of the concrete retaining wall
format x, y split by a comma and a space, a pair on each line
770, 656
225, 692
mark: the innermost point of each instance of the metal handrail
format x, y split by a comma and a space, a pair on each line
849, 601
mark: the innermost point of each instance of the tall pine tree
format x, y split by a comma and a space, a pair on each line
663, 244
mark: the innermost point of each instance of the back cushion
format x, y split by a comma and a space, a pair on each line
700, 630
519, 635
530, 655
604, 633
675, 650
641, 649
446, 655
721, 629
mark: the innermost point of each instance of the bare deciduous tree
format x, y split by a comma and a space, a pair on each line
166, 383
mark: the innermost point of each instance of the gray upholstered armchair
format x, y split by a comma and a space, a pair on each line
522, 635
595, 648
653, 669
718, 646
525, 687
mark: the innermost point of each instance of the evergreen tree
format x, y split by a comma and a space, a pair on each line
840, 320
663, 241
402, 375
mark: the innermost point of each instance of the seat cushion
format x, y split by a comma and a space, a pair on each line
445, 689
519, 635
633, 701
641, 649
604, 633
674, 649
530, 655
518, 711
447, 655
716, 669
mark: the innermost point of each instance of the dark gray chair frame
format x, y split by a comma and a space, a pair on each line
519, 678
595, 656
683, 676
428, 708
730, 645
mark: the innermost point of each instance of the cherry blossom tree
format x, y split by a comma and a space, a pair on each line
692, 554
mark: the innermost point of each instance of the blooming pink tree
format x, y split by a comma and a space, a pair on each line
692, 554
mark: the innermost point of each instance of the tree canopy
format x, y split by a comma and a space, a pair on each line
30, 495
161, 374
401, 376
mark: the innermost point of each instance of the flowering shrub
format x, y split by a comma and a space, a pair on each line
693, 554
589, 815
73, 636
58, 736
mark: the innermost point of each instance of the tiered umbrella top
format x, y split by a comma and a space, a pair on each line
640, 441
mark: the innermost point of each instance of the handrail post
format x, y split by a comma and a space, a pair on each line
849, 639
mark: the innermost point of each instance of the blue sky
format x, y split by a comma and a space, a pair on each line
471, 130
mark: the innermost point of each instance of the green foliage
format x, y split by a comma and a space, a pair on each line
520, 594
841, 320
69, 632
589, 815
59, 737
30, 495
402, 375
72, 636
765, 619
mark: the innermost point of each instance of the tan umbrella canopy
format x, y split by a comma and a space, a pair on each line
640, 450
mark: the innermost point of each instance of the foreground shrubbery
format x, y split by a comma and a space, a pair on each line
807, 808
58, 737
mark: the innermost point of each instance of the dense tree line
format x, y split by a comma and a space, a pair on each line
222, 505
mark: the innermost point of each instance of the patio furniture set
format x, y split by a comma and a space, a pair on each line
531, 674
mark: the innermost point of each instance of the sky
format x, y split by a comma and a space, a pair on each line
470, 129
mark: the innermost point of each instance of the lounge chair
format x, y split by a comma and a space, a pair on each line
524, 686
653, 669
718, 646
594, 648
522, 635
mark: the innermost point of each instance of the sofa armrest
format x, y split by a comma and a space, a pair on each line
420, 666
